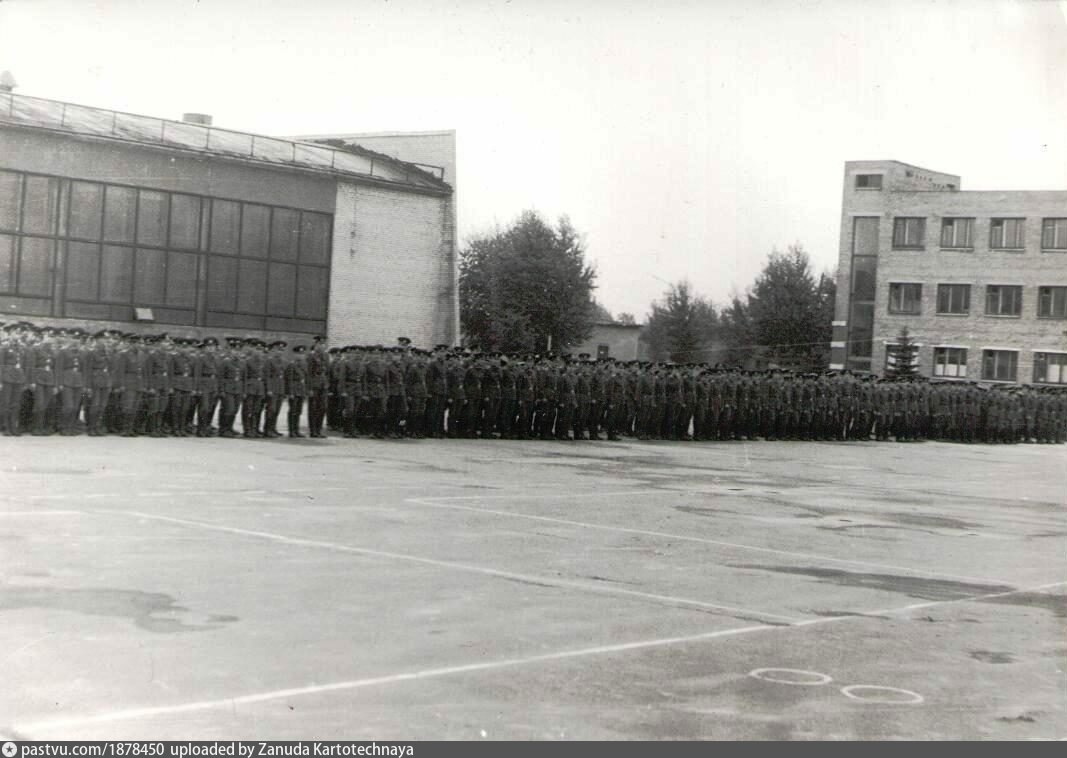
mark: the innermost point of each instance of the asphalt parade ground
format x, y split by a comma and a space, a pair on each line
462, 589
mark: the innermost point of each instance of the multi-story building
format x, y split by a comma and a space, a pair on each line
111, 219
979, 279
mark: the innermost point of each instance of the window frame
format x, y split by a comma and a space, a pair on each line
1041, 360
867, 177
904, 222
996, 353
901, 287
1058, 224
1053, 290
1000, 290
1020, 235
952, 222
947, 352
965, 287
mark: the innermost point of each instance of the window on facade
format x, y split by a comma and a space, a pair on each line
83, 271
86, 210
1007, 233
185, 222
1003, 300
10, 199
116, 274
120, 214
181, 280
869, 181
864, 272
314, 238
1054, 234
255, 230
91, 242
153, 211
905, 298
252, 286
35, 266
7, 263
1000, 365
225, 226
1052, 302
954, 298
957, 232
950, 361
909, 233
284, 234
1050, 368
40, 208
149, 277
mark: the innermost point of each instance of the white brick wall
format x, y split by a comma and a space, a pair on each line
393, 268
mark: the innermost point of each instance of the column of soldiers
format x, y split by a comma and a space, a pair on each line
68, 381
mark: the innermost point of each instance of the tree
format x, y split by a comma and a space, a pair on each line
787, 311
737, 335
902, 361
526, 288
602, 315
626, 318
681, 327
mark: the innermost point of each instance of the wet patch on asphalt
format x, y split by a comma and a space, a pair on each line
151, 611
923, 588
992, 656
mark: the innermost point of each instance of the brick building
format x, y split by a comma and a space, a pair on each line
148, 224
978, 278
611, 339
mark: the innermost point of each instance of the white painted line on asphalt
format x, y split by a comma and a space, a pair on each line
351, 684
434, 502
40, 513
870, 693
790, 676
547, 581
231, 702
549, 496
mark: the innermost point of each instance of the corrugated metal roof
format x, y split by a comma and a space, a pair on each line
55, 115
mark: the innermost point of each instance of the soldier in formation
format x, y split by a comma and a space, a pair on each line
68, 381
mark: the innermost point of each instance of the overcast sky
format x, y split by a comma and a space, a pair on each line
684, 139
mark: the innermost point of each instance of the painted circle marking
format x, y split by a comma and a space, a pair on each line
869, 693
798, 677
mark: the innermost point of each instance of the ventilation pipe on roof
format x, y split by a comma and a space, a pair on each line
197, 118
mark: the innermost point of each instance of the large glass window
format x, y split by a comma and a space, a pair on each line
41, 205
83, 271
116, 274
35, 266
185, 222
284, 234
153, 211
954, 298
86, 210
314, 238
255, 231
7, 262
170, 251
225, 226
1003, 300
1000, 365
905, 298
149, 278
120, 214
10, 200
